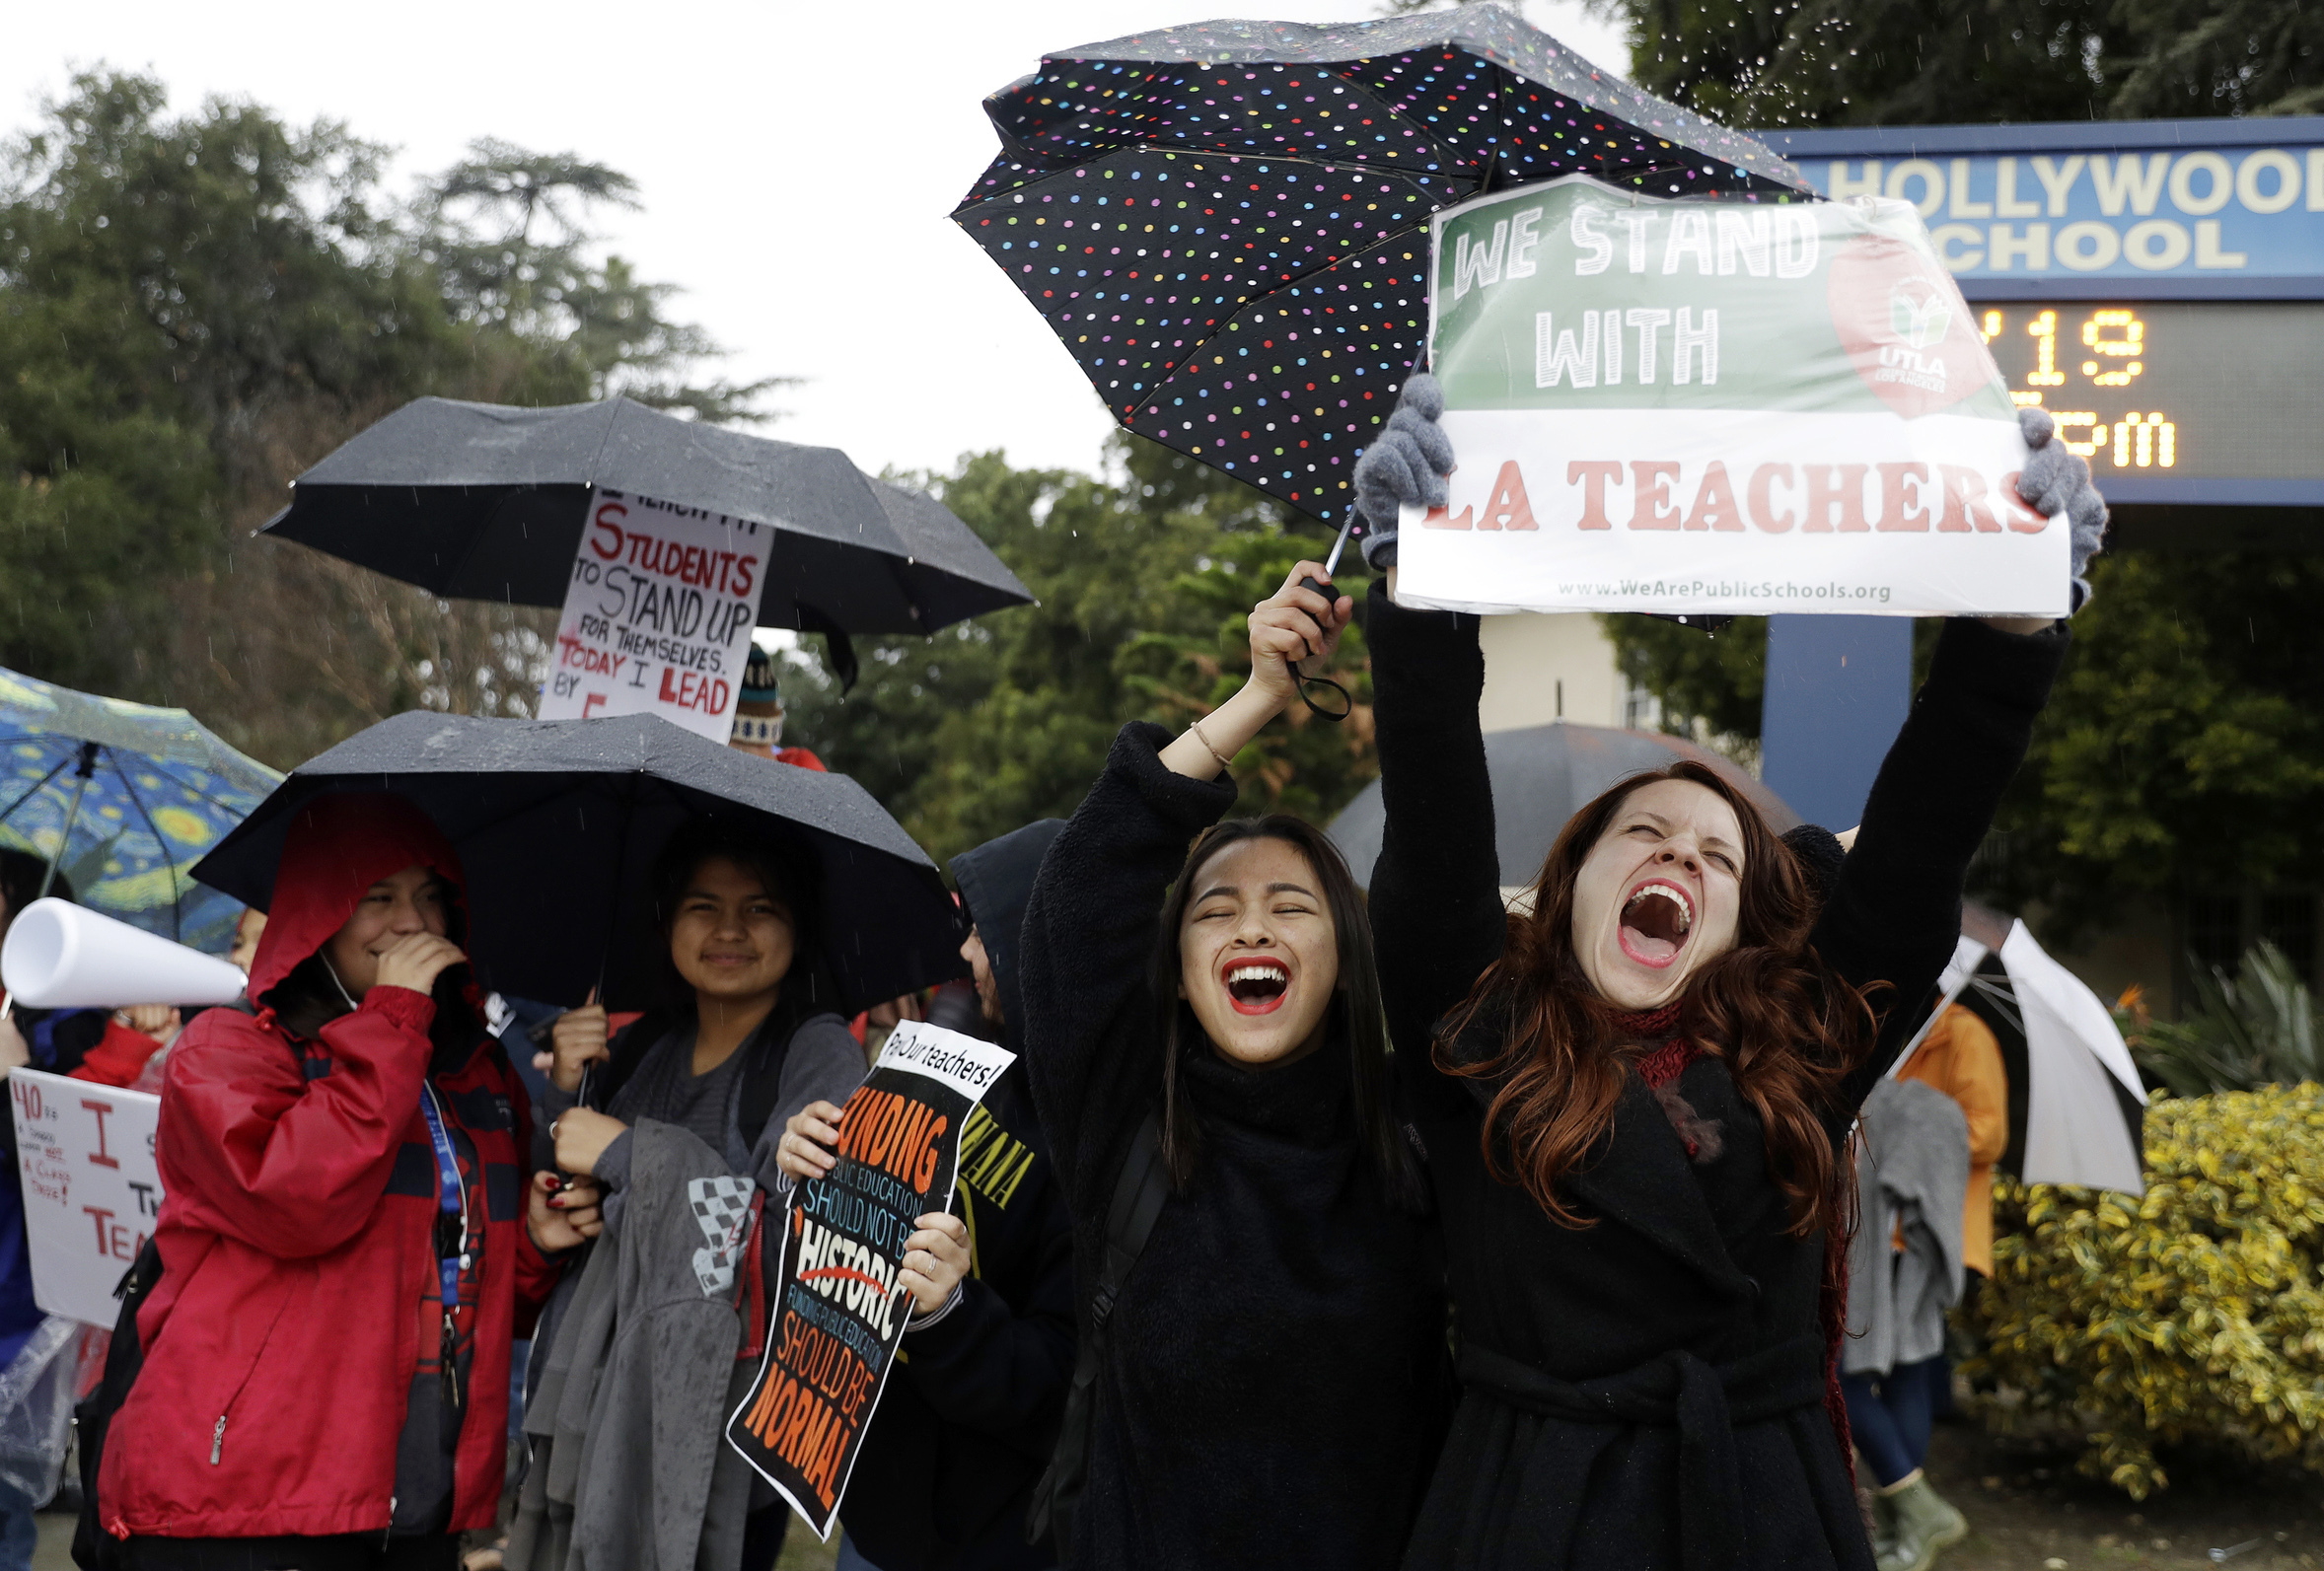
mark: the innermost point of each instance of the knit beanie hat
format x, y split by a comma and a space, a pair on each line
759, 713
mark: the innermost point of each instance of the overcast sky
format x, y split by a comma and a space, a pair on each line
796, 163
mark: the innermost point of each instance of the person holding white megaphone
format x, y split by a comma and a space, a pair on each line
96, 1043
347, 1242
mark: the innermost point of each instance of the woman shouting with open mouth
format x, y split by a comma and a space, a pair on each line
1270, 1386
1644, 1086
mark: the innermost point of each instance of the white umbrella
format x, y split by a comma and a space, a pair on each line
2078, 1131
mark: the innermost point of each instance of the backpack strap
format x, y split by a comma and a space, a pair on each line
1139, 1191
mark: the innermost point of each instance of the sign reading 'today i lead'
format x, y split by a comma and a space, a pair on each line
658, 616
1691, 406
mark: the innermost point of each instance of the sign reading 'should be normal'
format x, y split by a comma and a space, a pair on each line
1717, 408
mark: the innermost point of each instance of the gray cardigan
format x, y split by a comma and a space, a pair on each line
630, 1468
1912, 1174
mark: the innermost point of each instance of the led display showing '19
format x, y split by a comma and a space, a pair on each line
2232, 389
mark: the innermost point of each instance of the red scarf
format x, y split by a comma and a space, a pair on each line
1666, 1060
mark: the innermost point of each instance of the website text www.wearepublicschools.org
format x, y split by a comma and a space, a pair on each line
1731, 589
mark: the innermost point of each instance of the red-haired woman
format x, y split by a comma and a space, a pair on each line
1644, 1089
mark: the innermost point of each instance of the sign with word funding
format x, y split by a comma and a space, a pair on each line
84, 1156
1691, 406
840, 1310
658, 616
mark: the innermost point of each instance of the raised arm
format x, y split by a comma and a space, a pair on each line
1435, 893
1894, 916
1092, 1054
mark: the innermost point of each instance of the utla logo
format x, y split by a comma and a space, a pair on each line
1903, 327
1918, 313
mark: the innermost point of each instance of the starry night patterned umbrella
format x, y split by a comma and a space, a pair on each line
1227, 223
123, 799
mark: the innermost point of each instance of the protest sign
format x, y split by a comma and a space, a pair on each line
658, 614
84, 1153
839, 1309
1717, 408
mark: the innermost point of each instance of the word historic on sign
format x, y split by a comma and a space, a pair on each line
1717, 407
658, 616
92, 1191
840, 1311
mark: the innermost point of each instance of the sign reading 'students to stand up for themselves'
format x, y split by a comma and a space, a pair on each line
1700, 406
658, 616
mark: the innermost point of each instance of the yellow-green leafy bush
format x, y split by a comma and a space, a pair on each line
2193, 1315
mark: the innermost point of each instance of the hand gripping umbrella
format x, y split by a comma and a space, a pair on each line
558, 821
1226, 223
121, 799
482, 501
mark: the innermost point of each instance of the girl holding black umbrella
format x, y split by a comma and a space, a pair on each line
745, 1035
1273, 1377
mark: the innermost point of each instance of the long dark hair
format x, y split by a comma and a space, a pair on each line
1357, 1011
808, 988
1787, 1027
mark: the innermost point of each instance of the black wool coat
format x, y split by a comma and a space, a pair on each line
1646, 1392
1275, 1374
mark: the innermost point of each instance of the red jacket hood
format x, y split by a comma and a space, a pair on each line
337, 848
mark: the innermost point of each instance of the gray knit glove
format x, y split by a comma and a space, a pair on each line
1406, 462
2057, 480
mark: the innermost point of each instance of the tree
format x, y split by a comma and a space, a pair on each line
1142, 584
505, 229
195, 308
1919, 62
2184, 745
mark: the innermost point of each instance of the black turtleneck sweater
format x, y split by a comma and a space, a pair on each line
1274, 1388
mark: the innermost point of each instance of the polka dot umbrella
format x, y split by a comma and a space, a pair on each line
122, 800
1226, 223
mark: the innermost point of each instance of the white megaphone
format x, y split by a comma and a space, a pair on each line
61, 956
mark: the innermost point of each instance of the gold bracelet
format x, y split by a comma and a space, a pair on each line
1224, 762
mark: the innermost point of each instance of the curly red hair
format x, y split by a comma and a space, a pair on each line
1787, 1027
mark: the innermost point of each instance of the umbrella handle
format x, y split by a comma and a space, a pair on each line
1341, 707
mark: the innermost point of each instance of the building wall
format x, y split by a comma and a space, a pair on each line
1544, 668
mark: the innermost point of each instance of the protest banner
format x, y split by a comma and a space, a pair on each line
1717, 407
658, 614
839, 1311
84, 1153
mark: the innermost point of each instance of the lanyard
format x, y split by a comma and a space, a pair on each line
450, 1194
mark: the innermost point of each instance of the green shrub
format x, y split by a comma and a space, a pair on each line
2257, 1028
2191, 1315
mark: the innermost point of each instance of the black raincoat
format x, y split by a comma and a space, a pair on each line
1648, 1391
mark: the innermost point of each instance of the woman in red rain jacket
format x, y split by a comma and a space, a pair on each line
332, 1164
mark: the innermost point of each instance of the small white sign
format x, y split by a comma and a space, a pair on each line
967, 1064
658, 616
91, 1192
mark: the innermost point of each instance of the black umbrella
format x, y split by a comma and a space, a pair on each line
558, 823
1226, 223
1542, 775
484, 501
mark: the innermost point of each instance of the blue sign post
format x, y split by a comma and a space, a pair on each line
2158, 287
